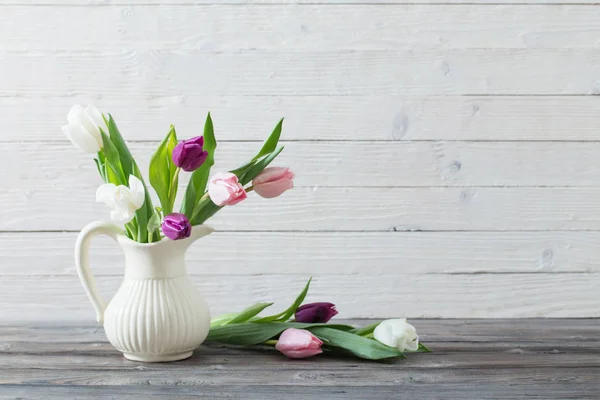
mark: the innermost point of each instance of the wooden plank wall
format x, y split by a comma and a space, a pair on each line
447, 152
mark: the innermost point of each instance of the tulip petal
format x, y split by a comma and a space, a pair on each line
81, 138
106, 194
269, 190
412, 345
121, 215
397, 333
224, 176
137, 190
75, 113
218, 194
298, 343
272, 174
78, 116
383, 333
95, 116
239, 196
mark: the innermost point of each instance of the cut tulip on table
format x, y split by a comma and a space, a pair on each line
303, 330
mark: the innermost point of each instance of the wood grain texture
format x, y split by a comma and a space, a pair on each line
308, 27
37, 298
446, 154
349, 73
510, 358
331, 253
336, 164
433, 3
335, 118
63, 205
272, 392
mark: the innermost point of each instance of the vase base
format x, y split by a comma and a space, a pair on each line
151, 357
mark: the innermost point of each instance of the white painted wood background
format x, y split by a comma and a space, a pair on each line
447, 152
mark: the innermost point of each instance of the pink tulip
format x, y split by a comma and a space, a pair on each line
224, 189
298, 343
273, 181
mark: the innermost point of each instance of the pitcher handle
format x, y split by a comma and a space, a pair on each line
82, 261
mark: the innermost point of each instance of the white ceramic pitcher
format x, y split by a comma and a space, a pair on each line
157, 314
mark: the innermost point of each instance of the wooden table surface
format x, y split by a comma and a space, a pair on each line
472, 359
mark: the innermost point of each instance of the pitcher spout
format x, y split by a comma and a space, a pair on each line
198, 231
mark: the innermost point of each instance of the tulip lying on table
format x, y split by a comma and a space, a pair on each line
302, 331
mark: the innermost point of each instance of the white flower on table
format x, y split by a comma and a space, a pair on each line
123, 201
84, 126
397, 333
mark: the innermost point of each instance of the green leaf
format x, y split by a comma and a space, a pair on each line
423, 349
115, 172
144, 212
101, 165
163, 172
366, 330
286, 314
203, 211
100, 168
269, 147
154, 222
222, 320
271, 143
357, 345
259, 166
119, 143
240, 171
251, 333
197, 184
249, 313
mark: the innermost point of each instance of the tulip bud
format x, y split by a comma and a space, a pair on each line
84, 126
176, 226
397, 333
273, 181
298, 343
189, 154
224, 189
315, 313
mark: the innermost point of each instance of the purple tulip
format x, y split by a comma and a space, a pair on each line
176, 226
189, 154
315, 313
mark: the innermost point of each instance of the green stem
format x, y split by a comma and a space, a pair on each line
197, 209
250, 188
168, 208
129, 232
271, 342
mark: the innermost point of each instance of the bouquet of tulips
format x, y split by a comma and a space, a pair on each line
302, 331
125, 191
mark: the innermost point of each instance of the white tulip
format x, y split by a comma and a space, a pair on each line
397, 333
84, 126
123, 201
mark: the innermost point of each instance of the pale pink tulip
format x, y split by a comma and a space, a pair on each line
224, 189
298, 343
273, 181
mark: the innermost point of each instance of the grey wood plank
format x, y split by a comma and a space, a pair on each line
444, 358
473, 359
261, 392
341, 375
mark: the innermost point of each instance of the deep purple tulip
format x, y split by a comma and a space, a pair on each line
189, 154
176, 226
315, 313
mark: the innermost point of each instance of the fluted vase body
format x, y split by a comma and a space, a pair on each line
157, 314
